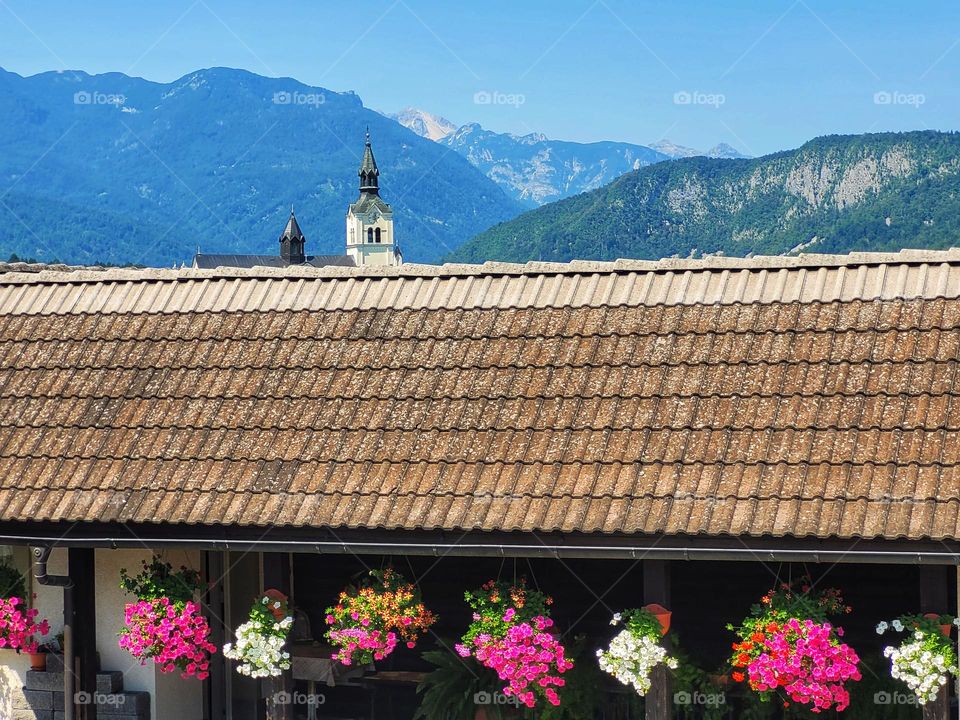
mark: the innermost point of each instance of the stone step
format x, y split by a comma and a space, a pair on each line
123, 705
43, 699
43, 680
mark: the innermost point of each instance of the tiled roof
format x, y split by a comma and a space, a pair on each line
811, 396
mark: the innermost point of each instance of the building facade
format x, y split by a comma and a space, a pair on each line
680, 432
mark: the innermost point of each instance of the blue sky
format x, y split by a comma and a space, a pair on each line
760, 75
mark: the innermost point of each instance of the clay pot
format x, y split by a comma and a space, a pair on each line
945, 628
38, 661
718, 680
276, 595
661, 614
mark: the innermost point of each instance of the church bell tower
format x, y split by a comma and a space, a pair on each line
370, 239
292, 242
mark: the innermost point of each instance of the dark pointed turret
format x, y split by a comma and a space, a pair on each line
292, 241
369, 174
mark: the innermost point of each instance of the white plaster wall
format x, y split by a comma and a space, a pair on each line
176, 697
110, 603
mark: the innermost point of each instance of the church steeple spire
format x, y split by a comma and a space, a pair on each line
369, 173
292, 241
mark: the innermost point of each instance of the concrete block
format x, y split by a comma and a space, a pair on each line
125, 703
22, 714
109, 682
39, 699
54, 663
42, 680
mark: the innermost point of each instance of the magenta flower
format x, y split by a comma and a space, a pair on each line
172, 636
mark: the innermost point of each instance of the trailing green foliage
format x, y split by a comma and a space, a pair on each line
451, 691
12, 581
158, 580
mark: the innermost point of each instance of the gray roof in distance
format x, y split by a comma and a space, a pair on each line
209, 261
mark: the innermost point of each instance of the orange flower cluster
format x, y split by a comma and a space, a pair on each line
386, 608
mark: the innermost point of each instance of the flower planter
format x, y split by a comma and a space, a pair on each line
38, 661
788, 650
720, 681
661, 614
372, 618
636, 650
512, 634
259, 647
944, 627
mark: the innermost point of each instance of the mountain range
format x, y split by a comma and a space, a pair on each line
882, 191
119, 169
535, 170
116, 169
674, 151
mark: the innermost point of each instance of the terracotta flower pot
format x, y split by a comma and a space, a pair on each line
944, 628
718, 680
38, 661
661, 614
276, 595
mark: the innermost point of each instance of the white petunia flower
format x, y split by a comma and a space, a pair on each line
631, 657
259, 647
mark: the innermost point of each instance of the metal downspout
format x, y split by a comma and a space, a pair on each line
40, 557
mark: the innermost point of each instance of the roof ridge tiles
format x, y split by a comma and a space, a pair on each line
52, 272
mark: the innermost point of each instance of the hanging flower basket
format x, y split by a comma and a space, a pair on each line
788, 649
259, 648
636, 650
925, 658
511, 634
19, 626
165, 624
369, 620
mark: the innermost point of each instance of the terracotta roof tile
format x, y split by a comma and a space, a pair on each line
603, 403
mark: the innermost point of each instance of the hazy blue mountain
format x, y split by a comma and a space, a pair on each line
535, 170
725, 151
674, 151
834, 194
115, 168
